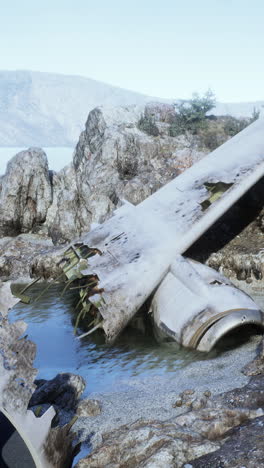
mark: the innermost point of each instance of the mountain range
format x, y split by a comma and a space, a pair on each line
45, 109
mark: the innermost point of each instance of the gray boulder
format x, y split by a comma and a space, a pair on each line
25, 192
29, 255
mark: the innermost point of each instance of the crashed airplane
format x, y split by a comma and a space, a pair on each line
122, 262
135, 255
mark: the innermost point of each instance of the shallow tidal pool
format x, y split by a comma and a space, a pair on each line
51, 320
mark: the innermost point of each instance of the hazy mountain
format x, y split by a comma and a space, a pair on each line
44, 109
238, 109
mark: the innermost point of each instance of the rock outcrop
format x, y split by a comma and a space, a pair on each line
113, 160
29, 255
25, 193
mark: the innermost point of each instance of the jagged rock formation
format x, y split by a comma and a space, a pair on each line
20, 257
25, 193
113, 160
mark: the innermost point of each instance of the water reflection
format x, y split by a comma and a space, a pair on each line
51, 324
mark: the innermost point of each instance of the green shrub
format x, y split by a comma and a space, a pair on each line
148, 125
212, 137
233, 126
191, 114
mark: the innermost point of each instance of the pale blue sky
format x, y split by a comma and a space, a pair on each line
166, 48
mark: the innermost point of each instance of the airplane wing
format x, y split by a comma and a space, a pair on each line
125, 258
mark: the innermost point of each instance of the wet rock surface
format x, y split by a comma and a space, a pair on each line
63, 391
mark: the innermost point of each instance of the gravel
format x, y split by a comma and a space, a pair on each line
152, 398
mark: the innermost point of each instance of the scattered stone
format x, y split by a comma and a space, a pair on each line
89, 408
177, 403
188, 392
192, 399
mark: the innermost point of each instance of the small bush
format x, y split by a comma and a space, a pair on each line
148, 125
191, 115
212, 137
233, 126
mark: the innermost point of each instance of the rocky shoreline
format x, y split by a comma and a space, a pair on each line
218, 424
165, 421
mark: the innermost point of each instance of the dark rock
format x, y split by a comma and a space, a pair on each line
63, 391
